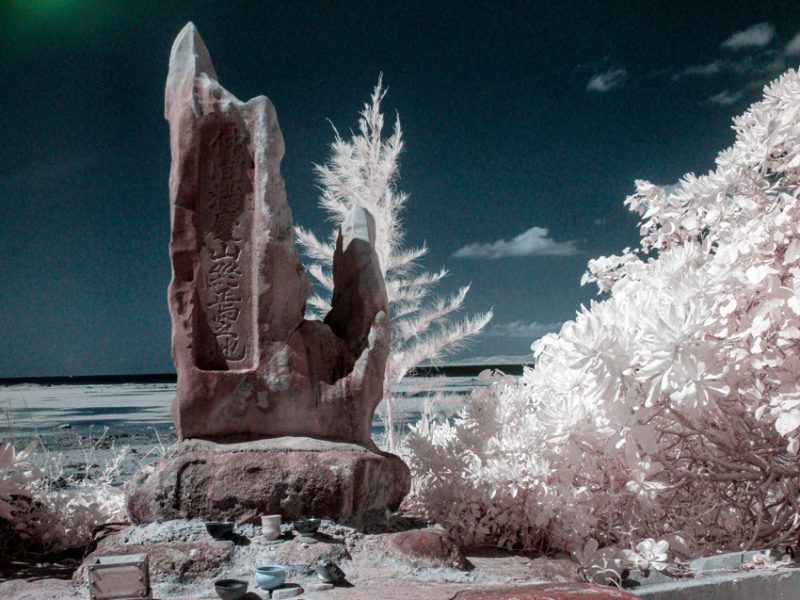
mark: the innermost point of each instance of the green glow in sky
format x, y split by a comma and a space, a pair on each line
42, 7
43, 26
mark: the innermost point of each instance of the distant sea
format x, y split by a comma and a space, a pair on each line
136, 404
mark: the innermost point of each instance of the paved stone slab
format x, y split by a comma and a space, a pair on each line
780, 584
428, 547
548, 591
319, 587
288, 590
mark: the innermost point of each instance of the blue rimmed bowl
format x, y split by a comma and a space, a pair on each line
270, 577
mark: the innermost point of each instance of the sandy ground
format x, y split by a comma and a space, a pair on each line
373, 571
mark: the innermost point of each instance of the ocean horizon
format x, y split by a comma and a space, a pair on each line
134, 404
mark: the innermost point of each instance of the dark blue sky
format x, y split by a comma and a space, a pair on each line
516, 115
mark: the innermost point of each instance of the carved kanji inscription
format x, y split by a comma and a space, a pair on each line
224, 219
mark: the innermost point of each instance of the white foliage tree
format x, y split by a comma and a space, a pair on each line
666, 416
363, 170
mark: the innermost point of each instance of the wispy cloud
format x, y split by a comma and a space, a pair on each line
534, 242
725, 98
607, 80
706, 70
759, 62
519, 329
793, 47
756, 36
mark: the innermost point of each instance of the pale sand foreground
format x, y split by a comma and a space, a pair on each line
374, 570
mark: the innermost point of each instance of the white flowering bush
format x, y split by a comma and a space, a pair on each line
16, 472
43, 511
664, 420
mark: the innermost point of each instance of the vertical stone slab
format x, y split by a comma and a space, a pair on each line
228, 212
249, 365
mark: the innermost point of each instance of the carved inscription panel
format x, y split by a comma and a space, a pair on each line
224, 322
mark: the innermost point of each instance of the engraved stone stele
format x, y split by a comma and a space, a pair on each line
262, 392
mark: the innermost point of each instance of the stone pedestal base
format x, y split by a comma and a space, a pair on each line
291, 476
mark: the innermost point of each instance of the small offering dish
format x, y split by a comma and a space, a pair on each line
270, 577
306, 526
230, 589
219, 530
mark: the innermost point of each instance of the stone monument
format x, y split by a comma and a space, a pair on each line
273, 411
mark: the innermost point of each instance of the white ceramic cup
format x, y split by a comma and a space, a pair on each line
271, 526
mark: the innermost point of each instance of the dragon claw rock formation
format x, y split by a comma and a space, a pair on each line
273, 411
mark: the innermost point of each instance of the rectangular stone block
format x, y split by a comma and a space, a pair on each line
121, 577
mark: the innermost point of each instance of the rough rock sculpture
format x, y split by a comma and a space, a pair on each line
250, 366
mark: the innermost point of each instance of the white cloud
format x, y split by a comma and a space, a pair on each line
534, 242
518, 329
757, 36
753, 71
747, 72
793, 47
607, 80
706, 70
725, 98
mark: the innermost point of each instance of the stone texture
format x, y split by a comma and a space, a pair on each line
170, 561
548, 591
430, 547
249, 365
319, 587
287, 590
498, 563
293, 476
302, 557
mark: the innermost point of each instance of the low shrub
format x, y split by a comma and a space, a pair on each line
664, 419
43, 509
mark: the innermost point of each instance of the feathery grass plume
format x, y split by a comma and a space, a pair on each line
363, 170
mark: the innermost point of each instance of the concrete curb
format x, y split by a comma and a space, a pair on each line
719, 578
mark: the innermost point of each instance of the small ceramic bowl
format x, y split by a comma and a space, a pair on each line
219, 529
230, 589
270, 577
306, 526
